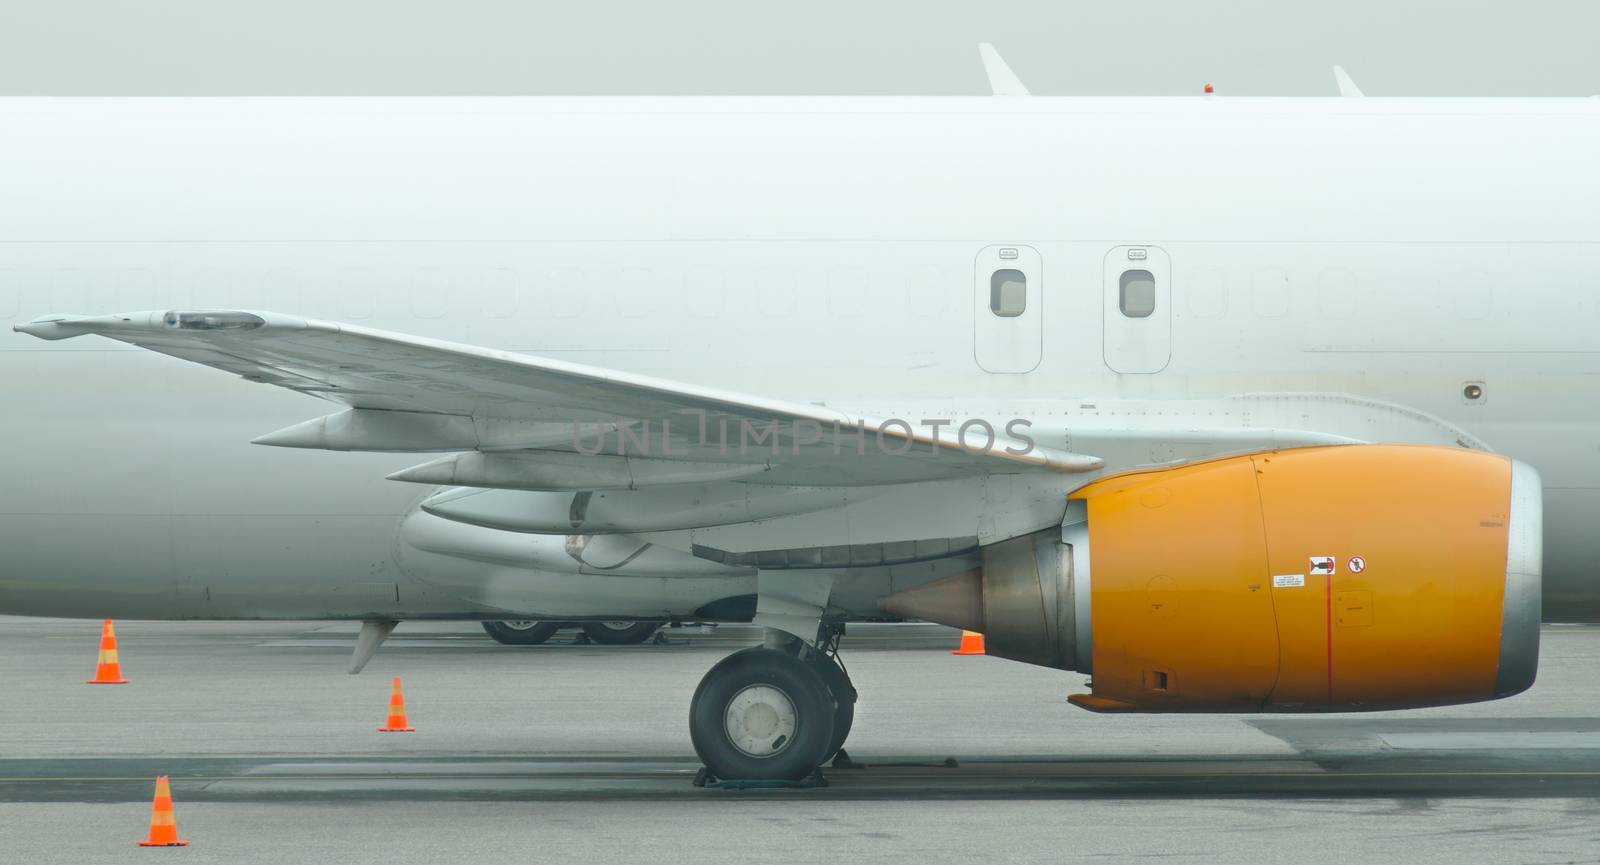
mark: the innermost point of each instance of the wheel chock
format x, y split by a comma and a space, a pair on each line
842, 760
704, 778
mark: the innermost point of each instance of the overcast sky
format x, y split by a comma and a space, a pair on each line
246, 47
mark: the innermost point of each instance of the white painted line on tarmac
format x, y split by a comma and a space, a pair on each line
1492, 740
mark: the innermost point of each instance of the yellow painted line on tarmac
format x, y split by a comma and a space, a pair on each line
684, 773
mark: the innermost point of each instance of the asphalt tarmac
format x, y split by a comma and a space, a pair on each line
581, 754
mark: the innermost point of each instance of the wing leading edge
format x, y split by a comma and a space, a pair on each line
412, 393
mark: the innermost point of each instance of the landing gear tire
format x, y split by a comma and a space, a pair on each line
521, 632
620, 633
844, 698
762, 715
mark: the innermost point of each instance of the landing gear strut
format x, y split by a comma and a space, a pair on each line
773, 712
826, 657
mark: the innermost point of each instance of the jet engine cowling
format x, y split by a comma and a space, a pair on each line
1319, 579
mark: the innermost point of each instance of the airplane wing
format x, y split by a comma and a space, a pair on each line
537, 423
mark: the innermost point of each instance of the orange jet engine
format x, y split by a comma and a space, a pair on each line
1341, 578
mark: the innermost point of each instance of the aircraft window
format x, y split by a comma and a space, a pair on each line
1008, 293
1138, 293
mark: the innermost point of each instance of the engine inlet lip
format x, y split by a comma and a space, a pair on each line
1520, 610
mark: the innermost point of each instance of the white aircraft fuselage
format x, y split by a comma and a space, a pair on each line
1394, 270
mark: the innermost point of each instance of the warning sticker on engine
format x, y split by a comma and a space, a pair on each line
1322, 565
1288, 581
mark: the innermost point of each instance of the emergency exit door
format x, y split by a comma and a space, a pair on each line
1138, 309
1008, 305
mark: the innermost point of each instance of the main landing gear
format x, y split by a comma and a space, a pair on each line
775, 712
620, 633
521, 632
530, 633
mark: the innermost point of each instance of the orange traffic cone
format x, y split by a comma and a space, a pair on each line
163, 823
397, 711
971, 644
109, 670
